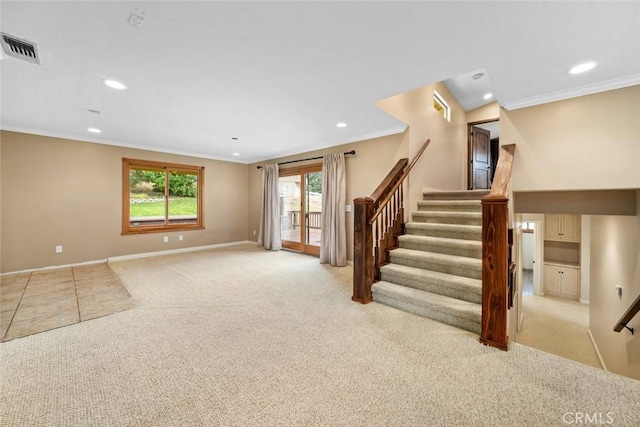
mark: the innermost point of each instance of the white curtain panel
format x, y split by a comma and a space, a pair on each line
269, 236
333, 248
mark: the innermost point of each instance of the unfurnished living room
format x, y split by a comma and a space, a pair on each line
319, 213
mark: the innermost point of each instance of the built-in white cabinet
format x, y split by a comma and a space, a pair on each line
562, 280
562, 228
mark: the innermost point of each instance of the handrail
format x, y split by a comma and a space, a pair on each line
496, 254
392, 176
502, 177
399, 182
633, 309
377, 222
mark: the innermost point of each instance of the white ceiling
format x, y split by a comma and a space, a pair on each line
280, 75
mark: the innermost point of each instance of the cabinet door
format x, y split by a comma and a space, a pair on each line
569, 282
551, 279
570, 228
552, 227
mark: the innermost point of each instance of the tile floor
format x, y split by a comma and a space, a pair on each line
43, 300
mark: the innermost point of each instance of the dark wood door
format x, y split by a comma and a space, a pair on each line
480, 158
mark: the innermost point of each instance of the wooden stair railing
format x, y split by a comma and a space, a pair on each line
378, 220
496, 262
634, 308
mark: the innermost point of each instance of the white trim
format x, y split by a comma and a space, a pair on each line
56, 267
595, 347
175, 251
132, 256
93, 140
394, 130
584, 301
574, 92
446, 109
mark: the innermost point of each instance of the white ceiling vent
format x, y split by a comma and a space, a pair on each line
19, 48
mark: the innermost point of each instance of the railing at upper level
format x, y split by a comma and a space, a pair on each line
378, 221
633, 309
495, 254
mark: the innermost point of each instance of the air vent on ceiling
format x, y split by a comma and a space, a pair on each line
19, 48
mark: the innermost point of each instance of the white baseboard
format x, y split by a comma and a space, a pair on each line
55, 267
595, 347
132, 256
584, 301
175, 251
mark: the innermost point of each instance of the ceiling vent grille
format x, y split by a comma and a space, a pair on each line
19, 48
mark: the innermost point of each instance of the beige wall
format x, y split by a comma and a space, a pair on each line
443, 164
615, 260
486, 112
374, 158
586, 143
64, 192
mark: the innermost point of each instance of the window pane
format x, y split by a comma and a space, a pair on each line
441, 106
183, 197
161, 196
146, 193
313, 207
290, 220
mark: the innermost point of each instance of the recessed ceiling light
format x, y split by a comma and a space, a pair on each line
477, 76
94, 130
114, 84
583, 68
341, 125
488, 96
236, 154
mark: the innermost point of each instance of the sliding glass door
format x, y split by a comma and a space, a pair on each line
301, 208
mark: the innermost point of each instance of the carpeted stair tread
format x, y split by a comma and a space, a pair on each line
455, 312
462, 218
443, 245
450, 205
450, 285
436, 271
454, 195
453, 231
450, 264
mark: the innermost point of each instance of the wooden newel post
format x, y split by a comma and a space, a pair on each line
362, 249
495, 253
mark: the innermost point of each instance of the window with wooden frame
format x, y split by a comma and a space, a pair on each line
159, 197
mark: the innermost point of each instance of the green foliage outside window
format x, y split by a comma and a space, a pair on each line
180, 184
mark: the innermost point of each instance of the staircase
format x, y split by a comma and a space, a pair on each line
436, 271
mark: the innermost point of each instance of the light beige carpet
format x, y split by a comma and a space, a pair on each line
558, 326
247, 337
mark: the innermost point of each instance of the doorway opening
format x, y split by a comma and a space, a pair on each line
301, 208
554, 322
483, 144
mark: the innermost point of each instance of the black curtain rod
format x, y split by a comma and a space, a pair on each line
310, 158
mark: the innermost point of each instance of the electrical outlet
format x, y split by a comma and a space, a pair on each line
181, 237
59, 249
254, 232
165, 239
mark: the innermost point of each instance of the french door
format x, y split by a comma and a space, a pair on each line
301, 208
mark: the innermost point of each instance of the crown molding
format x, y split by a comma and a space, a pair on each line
574, 92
